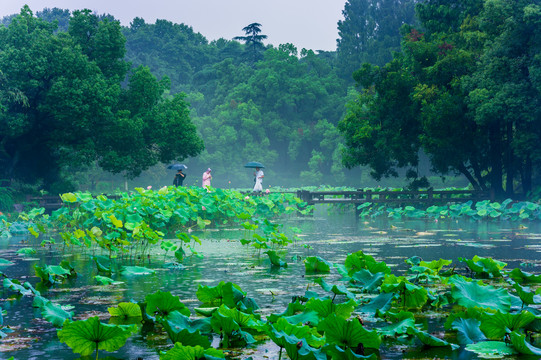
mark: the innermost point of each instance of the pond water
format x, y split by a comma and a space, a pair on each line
327, 234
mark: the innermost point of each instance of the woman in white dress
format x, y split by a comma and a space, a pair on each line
258, 179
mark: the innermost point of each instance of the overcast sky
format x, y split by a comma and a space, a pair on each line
310, 24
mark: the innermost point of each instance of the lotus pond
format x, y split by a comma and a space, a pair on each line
352, 288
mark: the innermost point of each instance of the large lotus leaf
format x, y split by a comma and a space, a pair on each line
180, 352
430, 340
245, 321
223, 293
326, 307
179, 321
519, 342
359, 260
411, 296
528, 297
293, 308
348, 333
136, 270
403, 321
298, 349
125, 310
307, 317
380, 303
468, 331
104, 280
491, 349
368, 281
85, 336
282, 326
223, 324
15, 285
524, 277
163, 303
472, 294
436, 265
496, 325
485, 266
187, 338
337, 353
4, 262
55, 314
315, 264
335, 289
132, 221
275, 259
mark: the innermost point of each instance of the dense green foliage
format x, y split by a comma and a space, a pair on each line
465, 91
73, 111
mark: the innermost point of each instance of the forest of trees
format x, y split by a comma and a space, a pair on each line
453, 82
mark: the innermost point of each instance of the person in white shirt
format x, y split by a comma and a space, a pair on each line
258, 179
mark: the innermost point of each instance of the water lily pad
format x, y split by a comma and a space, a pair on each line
491, 349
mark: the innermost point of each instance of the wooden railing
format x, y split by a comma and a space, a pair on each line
360, 196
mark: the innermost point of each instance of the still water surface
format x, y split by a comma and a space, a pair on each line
327, 234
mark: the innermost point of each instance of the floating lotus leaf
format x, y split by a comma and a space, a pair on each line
379, 304
368, 281
125, 310
496, 325
326, 307
430, 340
282, 326
136, 270
163, 303
54, 313
104, 280
337, 353
468, 331
359, 260
402, 322
15, 285
524, 277
348, 334
275, 259
491, 349
472, 294
335, 289
26, 251
85, 336
180, 352
519, 342
315, 264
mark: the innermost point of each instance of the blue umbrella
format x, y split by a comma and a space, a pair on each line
177, 167
254, 164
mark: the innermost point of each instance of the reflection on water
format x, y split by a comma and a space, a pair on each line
330, 236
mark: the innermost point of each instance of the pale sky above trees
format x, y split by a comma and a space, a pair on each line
310, 24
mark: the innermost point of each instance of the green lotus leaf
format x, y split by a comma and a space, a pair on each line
379, 304
54, 313
293, 308
528, 297
15, 285
223, 293
524, 277
180, 352
315, 264
298, 349
346, 333
104, 280
368, 281
337, 353
436, 265
359, 260
411, 296
163, 303
102, 268
307, 317
125, 310
519, 342
485, 266
275, 259
136, 270
402, 322
472, 294
468, 331
4, 262
245, 321
335, 289
324, 308
496, 325
185, 331
85, 336
205, 311
69, 197
229, 329
26, 251
491, 349
430, 340
282, 326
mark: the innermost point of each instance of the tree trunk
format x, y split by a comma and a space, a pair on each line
509, 162
469, 176
495, 156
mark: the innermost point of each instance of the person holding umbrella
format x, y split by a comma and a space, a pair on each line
206, 178
259, 175
179, 178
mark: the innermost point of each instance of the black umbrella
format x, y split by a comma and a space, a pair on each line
177, 167
254, 164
